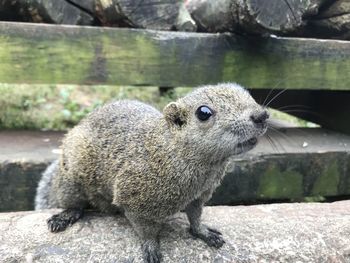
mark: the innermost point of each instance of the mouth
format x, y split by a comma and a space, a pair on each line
248, 143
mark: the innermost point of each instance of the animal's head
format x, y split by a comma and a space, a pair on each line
217, 121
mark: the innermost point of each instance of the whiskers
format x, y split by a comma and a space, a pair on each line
275, 143
274, 97
278, 139
275, 136
300, 109
296, 108
268, 102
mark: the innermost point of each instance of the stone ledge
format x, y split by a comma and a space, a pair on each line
288, 171
309, 232
23, 157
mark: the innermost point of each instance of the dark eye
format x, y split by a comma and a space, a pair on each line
203, 113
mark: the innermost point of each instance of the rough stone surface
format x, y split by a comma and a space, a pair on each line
310, 232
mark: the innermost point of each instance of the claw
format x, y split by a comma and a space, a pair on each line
212, 237
68, 217
151, 253
214, 240
214, 231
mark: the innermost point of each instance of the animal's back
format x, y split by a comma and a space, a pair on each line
124, 118
100, 148
118, 130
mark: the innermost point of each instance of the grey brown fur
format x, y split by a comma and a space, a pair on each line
128, 156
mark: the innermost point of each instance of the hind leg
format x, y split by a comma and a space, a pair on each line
67, 217
72, 199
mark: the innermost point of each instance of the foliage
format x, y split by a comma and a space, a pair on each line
59, 107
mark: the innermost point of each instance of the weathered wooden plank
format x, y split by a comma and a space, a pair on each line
299, 164
330, 109
302, 163
32, 53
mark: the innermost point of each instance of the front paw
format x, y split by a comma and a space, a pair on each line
57, 224
150, 252
62, 220
212, 237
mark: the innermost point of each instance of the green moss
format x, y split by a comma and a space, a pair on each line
276, 184
122, 55
259, 70
279, 64
119, 56
312, 199
327, 183
72, 65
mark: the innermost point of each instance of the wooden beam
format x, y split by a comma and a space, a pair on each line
298, 163
39, 53
294, 164
330, 109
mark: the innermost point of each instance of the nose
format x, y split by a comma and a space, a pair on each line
260, 118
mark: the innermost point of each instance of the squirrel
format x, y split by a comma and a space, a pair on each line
128, 156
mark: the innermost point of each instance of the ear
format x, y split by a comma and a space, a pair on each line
174, 114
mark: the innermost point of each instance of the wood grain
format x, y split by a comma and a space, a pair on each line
39, 53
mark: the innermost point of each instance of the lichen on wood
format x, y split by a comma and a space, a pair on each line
89, 55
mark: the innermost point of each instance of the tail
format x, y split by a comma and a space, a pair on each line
42, 198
